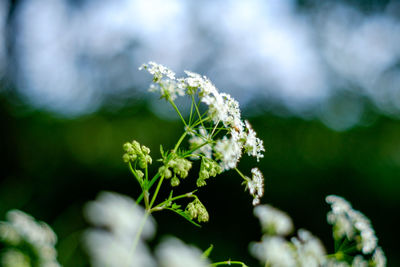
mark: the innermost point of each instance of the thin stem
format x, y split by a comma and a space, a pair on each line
242, 175
138, 234
180, 141
214, 128
177, 110
194, 149
191, 112
187, 195
197, 110
229, 262
153, 180
135, 174
156, 192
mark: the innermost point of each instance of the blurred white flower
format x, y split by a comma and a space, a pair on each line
274, 251
119, 214
174, 253
351, 223
379, 258
115, 243
309, 250
273, 221
21, 227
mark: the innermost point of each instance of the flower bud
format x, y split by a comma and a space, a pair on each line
175, 181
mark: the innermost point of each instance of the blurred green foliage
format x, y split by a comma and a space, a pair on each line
51, 166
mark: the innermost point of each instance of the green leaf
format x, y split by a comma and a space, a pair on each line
207, 252
183, 214
161, 151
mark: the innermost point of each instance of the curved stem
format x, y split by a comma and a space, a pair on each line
229, 262
135, 174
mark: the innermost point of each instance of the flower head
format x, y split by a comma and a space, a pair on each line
256, 185
351, 223
273, 221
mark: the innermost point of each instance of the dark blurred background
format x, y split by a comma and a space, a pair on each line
318, 80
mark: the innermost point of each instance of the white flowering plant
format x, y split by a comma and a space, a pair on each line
216, 137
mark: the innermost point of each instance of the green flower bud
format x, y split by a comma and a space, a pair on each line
191, 210
136, 146
142, 163
200, 182
126, 158
139, 173
203, 216
175, 181
145, 150
167, 173
148, 159
133, 157
127, 146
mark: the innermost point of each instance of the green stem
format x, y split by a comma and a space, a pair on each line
187, 195
242, 175
177, 110
138, 234
153, 180
134, 174
191, 112
229, 262
156, 192
197, 110
180, 141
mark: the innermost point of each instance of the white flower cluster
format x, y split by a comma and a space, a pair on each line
201, 140
351, 224
21, 228
256, 185
164, 81
222, 108
273, 221
174, 253
112, 244
118, 219
274, 250
309, 249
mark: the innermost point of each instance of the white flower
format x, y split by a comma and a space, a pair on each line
359, 261
168, 89
107, 250
310, 251
114, 243
120, 214
352, 224
228, 151
274, 251
23, 227
253, 145
198, 140
379, 258
158, 71
256, 185
273, 221
202, 83
174, 253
